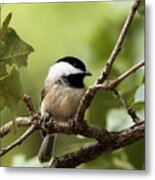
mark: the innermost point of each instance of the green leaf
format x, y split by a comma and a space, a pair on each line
13, 51
118, 119
20, 160
16, 51
5, 25
67, 144
3, 71
139, 96
138, 106
114, 160
11, 90
2, 103
141, 9
136, 154
2, 47
100, 106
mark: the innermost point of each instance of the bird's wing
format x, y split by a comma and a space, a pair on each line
42, 94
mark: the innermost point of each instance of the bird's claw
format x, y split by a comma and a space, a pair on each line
46, 120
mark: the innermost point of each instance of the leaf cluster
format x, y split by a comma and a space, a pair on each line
13, 55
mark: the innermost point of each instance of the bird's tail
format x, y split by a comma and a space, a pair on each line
46, 149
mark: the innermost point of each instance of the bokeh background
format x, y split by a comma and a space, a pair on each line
87, 30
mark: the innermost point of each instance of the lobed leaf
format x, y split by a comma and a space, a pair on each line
16, 50
11, 90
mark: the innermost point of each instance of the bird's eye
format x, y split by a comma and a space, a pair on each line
74, 64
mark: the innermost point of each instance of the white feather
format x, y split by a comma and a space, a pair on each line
59, 69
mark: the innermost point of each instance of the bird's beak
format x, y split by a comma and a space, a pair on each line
87, 73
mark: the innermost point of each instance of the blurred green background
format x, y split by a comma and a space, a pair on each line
89, 31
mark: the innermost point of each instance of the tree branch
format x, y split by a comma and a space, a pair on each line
83, 129
129, 109
27, 133
101, 135
130, 71
20, 122
107, 85
90, 93
117, 48
113, 83
28, 101
121, 139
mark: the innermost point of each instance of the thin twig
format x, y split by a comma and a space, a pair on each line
117, 48
122, 139
113, 83
28, 101
90, 93
26, 134
129, 109
130, 71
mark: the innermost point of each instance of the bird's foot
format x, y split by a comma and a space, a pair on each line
46, 120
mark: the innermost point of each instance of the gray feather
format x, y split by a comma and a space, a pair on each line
46, 149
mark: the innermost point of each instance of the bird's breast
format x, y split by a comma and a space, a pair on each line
61, 101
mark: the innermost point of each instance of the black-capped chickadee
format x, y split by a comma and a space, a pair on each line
61, 95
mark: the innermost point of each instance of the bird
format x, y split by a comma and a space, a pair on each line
60, 97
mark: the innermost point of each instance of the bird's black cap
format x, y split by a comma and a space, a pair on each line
77, 63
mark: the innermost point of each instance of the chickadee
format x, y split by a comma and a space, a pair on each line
61, 95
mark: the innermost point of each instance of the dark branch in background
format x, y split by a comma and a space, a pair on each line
106, 141
129, 109
90, 93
